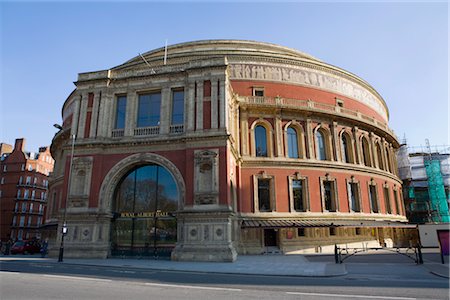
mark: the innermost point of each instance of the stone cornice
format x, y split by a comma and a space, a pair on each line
282, 162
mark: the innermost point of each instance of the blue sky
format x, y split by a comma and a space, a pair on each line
401, 49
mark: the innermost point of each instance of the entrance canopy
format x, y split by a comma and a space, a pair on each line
301, 223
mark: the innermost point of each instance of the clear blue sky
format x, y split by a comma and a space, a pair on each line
401, 49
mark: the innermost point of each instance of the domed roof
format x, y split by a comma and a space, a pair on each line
185, 52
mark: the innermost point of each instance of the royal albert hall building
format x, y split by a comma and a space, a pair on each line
209, 149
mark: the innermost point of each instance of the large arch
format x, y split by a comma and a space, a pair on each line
117, 172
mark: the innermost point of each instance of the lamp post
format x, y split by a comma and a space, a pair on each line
64, 228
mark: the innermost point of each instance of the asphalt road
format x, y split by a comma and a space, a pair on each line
48, 280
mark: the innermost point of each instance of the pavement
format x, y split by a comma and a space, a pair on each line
276, 264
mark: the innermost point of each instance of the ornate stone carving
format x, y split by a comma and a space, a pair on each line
206, 177
309, 77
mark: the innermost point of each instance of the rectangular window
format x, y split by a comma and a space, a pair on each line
25, 194
18, 194
353, 195
28, 180
22, 221
120, 112
264, 195
39, 221
16, 207
149, 110
41, 208
373, 198
387, 200
298, 194
301, 231
358, 231
24, 207
177, 107
20, 180
258, 91
329, 196
22, 168
29, 220
5, 168
31, 208
14, 221
332, 230
2, 181
33, 194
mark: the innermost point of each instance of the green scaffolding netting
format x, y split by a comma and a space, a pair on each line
436, 191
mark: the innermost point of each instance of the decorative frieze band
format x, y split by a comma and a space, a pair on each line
309, 77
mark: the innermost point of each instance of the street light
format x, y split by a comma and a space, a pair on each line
64, 228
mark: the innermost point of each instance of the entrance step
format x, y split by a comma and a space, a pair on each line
272, 250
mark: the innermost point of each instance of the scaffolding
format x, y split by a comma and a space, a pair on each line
436, 191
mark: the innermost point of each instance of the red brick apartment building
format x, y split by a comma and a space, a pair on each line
23, 191
224, 147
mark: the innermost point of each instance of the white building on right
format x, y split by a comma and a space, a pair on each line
426, 183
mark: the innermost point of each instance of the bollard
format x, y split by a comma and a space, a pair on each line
336, 257
419, 250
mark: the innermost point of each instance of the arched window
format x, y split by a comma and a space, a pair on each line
366, 152
261, 141
379, 156
321, 150
347, 149
292, 141
143, 222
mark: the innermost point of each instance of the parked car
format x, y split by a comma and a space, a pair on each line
26, 247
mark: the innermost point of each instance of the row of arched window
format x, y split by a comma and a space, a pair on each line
354, 149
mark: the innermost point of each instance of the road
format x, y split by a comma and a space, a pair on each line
49, 280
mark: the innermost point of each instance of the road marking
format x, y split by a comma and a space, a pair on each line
351, 296
121, 271
77, 278
193, 287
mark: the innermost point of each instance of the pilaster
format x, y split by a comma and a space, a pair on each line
309, 139
214, 104
357, 146
83, 111
199, 103
335, 138
75, 117
190, 106
95, 112
165, 110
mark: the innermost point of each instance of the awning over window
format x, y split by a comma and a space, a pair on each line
286, 223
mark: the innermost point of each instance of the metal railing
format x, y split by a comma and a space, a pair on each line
343, 253
313, 105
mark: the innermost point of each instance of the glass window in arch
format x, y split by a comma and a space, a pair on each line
292, 140
321, 151
261, 141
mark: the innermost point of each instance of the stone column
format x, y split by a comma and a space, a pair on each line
337, 149
199, 103
357, 146
165, 118
214, 105
309, 139
94, 118
82, 119
383, 153
373, 149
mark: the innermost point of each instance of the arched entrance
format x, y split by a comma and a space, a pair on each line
143, 208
